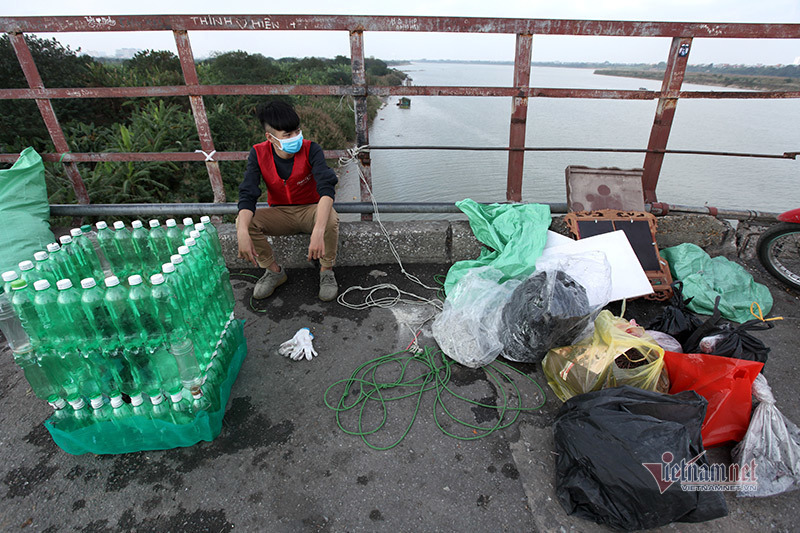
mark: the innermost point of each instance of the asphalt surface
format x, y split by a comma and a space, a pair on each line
282, 464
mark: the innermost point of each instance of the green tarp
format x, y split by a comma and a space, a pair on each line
704, 278
24, 211
515, 235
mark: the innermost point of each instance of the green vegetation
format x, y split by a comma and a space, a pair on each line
167, 124
765, 78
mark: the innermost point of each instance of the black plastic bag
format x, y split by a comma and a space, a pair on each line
603, 439
676, 320
735, 341
547, 310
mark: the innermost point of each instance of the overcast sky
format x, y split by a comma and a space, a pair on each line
414, 45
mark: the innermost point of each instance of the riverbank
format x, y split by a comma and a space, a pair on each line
756, 83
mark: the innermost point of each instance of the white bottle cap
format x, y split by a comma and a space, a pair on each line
26, 265
171, 223
136, 224
101, 225
200, 227
157, 399
112, 281
177, 258
116, 401
154, 223
190, 241
205, 219
183, 250
119, 224
176, 396
88, 283
63, 284
97, 402
166, 267
65, 239
188, 222
58, 404
40, 256
53, 247
10, 275
136, 279
41, 284
137, 400
156, 279
77, 403
76, 232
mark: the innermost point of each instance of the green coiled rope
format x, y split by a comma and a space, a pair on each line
435, 376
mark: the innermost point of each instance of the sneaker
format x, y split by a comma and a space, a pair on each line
328, 289
266, 285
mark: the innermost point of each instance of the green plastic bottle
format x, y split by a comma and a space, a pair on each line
121, 413
73, 334
87, 253
101, 411
174, 236
105, 238
181, 407
140, 237
168, 310
204, 276
188, 226
45, 268
159, 242
61, 418
123, 240
141, 301
77, 260
213, 237
126, 321
27, 271
36, 376
63, 266
139, 407
80, 414
9, 276
161, 411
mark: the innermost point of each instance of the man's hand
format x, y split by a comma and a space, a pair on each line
246, 249
316, 248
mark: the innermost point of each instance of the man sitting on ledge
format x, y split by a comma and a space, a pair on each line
300, 192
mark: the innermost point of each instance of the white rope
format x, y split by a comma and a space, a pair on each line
209, 156
370, 299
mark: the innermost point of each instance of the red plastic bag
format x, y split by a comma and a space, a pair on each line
725, 383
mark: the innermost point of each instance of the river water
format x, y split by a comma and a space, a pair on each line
762, 126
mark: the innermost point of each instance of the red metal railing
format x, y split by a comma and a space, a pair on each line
682, 35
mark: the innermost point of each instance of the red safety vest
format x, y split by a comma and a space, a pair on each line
299, 189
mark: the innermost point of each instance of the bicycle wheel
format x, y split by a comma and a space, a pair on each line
779, 252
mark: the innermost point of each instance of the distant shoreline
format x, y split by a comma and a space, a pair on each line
758, 83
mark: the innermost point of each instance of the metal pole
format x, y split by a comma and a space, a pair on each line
362, 119
199, 113
519, 116
665, 113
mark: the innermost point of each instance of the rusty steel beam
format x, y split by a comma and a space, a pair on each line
268, 22
665, 113
346, 90
104, 157
519, 117
359, 74
199, 112
48, 114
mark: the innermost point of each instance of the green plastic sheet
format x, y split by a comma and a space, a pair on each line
24, 210
515, 235
139, 433
704, 278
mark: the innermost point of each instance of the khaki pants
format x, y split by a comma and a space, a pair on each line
289, 220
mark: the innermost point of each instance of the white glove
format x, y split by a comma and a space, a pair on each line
299, 346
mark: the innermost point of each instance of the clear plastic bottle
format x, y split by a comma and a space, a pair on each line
181, 407
189, 368
159, 242
201, 402
174, 236
35, 374
123, 240
45, 268
11, 326
8, 277
168, 309
105, 238
188, 226
86, 251
140, 237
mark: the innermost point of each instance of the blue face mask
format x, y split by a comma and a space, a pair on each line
292, 145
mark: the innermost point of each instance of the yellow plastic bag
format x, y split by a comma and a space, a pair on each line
618, 353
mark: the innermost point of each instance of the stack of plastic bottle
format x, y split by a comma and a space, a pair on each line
129, 334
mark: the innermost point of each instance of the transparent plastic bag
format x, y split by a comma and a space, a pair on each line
554, 305
467, 329
666, 341
618, 353
772, 444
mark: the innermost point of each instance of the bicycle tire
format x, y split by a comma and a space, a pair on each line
782, 264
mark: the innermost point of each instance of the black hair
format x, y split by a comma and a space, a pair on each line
278, 115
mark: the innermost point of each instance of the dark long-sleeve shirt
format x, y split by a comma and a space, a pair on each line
250, 188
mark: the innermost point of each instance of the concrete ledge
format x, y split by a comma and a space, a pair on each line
363, 243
